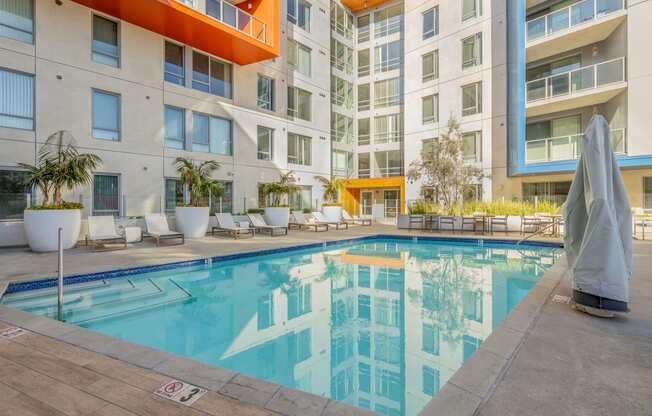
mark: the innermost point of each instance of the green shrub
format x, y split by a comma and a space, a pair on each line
255, 211
331, 204
63, 205
496, 208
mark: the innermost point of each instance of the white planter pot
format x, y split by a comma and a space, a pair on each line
192, 222
514, 223
332, 213
42, 228
279, 216
403, 221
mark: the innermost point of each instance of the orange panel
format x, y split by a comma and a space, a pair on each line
350, 187
360, 5
393, 263
189, 26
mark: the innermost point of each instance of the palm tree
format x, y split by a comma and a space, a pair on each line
197, 178
281, 189
61, 165
332, 187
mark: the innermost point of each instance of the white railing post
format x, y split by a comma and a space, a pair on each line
60, 276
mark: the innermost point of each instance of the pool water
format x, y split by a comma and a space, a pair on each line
380, 324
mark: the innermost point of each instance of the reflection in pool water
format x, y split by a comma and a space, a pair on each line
389, 321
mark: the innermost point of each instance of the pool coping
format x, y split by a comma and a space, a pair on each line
463, 394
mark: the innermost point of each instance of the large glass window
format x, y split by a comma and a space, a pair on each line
299, 13
299, 103
430, 66
341, 128
266, 92
14, 194
302, 199
472, 305
212, 76
647, 192
363, 28
388, 21
174, 68
364, 63
472, 99
106, 195
299, 57
173, 194
430, 23
472, 51
387, 92
342, 163
430, 108
389, 163
17, 20
388, 128
105, 41
430, 380
341, 92
175, 127
387, 57
16, 100
472, 146
555, 192
364, 165
265, 143
211, 134
224, 202
364, 136
341, 20
265, 314
106, 115
430, 339
299, 301
342, 56
471, 9
364, 97
299, 149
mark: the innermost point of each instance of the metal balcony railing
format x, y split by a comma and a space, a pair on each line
388, 137
364, 139
577, 80
571, 16
387, 65
567, 147
364, 173
235, 17
389, 171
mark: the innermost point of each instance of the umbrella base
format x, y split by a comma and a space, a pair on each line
599, 303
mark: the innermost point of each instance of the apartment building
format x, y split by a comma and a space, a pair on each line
141, 83
580, 58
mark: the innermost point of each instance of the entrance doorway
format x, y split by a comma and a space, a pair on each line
392, 203
366, 203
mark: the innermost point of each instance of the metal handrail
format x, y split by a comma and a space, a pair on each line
539, 231
573, 141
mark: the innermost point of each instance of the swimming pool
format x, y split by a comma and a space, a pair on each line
379, 323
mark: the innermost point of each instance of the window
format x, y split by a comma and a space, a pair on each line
17, 20
647, 192
472, 99
211, 134
388, 128
388, 21
265, 143
430, 23
299, 149
299, 14
430, 380
14, 194
364, 97
212, 76
105, 41
341, 21
387, 92
341, 56
389, 163
299, 57
471, 9
16, 100
342, 163
389, 384
470, 345
174, 69
430, 339
364, 63
175, 127
224, 202
364, 165
472, 146
555, 192
106, 115
341, 128
106, 195
472, 51
299, 103
364, 137
472, 305
430, 66
173, 194
341, 92
363, 28
387, 57
265, 311
302, 199
266, 92
299, 301
430, 108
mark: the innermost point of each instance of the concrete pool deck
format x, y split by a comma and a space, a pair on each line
544, 359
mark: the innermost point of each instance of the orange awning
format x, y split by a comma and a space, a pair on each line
257, 41
360, 5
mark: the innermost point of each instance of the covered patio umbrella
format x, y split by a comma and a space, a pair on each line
598, 237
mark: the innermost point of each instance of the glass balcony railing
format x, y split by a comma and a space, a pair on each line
571, 16
578, 80
235, 17
567, 147
388, 171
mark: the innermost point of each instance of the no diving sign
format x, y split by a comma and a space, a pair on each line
180, 392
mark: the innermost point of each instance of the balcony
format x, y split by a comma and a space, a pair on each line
244, 33
567, 147
587, 86
583, 23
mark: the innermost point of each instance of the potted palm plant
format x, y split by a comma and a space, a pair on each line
59, 166
278, 211
331, 207
192, 218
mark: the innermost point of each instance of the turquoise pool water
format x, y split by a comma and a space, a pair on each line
380, 324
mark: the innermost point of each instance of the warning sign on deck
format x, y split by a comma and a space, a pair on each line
180, 392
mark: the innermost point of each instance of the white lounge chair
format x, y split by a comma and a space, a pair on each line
226, 224
347, 218
101, 230
299, 220
321, 219
258, 222
158, 229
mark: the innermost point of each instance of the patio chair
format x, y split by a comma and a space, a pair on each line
226, 224
416, 222
469, 222
447, 220
641, 220
259, 224
346, 217
530, 224
101, 230
498, 221
299, 221
159, 230
321, 219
